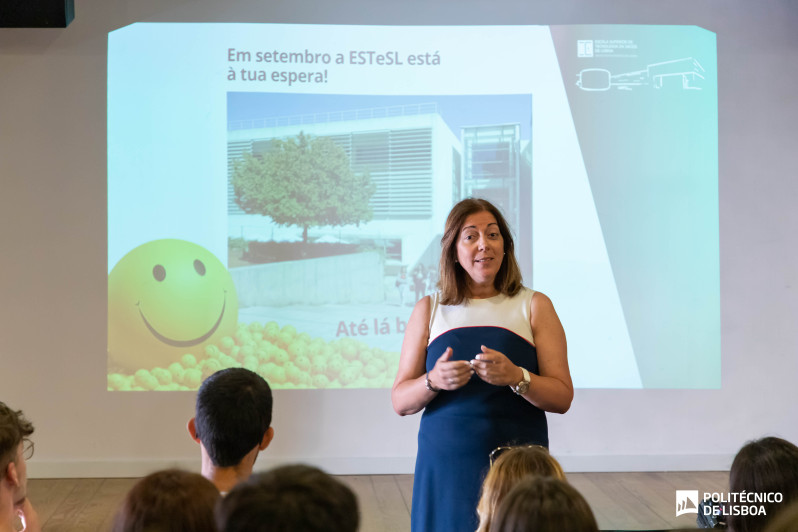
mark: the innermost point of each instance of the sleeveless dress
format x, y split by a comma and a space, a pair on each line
460, 428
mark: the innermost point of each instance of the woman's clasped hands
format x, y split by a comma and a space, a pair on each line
490, 365
450, 374
495, 368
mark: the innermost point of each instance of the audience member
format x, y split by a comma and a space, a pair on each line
769, 465
543, 504
509, 466
169, 501
232, 424
287, 499
785, 521
15, 448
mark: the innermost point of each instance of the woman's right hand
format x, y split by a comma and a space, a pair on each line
448, 374
410, 393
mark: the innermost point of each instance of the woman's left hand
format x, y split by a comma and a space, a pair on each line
495, 368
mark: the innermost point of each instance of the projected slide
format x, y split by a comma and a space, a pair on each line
277, 194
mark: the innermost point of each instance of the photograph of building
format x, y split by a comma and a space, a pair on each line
420, 160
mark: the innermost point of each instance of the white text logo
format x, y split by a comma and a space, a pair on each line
686, 502
584, 48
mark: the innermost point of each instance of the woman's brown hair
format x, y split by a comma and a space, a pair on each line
453, 282
763, 466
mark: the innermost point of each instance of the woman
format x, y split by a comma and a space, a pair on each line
419, 280
484, 358
401, 285
544, 505
765, 466
786, 521
512, 465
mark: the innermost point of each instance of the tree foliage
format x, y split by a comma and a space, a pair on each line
305, 181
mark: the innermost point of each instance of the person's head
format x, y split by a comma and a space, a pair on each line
15, 447
764, 466
233, 416
477, 244
509, 468
289, 498
785, 521
543, 504
169, 501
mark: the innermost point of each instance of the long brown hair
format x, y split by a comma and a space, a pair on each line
453, 282
510, 468
764, 466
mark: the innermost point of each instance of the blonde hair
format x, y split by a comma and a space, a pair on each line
453, 284
511, 467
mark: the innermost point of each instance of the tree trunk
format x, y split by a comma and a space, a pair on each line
305, 234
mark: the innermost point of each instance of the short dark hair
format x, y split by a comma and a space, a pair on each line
453, 282
543, 504
289, 498
764, 466
14, 428
234, 411
168, 501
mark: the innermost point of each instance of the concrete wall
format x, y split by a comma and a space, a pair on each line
354, 278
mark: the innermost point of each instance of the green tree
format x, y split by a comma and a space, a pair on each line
305, 181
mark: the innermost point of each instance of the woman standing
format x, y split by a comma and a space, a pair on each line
484, 357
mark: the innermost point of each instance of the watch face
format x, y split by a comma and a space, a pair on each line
522, 387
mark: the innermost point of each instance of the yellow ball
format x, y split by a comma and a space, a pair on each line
167, 298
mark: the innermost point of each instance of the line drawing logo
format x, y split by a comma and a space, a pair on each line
686, 502
686, 73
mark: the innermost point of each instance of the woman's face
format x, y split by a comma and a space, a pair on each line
480, 247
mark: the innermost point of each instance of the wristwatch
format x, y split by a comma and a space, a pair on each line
522, 387
429, 385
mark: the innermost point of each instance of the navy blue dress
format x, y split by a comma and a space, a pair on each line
460, 428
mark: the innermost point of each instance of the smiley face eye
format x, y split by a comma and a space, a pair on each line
159, 272
199, 266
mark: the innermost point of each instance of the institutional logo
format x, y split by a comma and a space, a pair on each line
584, 48
686, 502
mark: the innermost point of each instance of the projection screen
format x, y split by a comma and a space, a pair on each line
277, 194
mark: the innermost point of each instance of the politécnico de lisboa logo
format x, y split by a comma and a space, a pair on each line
686, 502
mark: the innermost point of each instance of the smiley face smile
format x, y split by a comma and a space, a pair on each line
184, 343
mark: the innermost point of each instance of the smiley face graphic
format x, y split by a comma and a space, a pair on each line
166, 298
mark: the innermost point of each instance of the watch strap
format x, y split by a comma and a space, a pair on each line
429, 385
522, 387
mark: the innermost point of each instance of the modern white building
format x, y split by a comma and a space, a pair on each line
411, 154
420, 169
498, 168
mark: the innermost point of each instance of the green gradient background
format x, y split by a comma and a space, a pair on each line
651, 157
